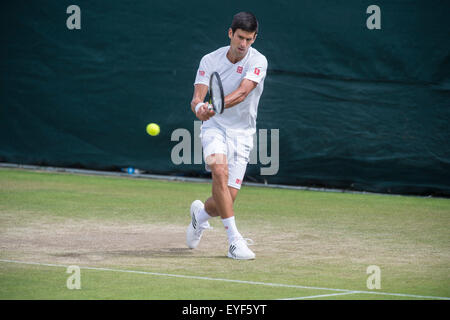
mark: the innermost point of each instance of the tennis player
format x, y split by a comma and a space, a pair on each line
227, 138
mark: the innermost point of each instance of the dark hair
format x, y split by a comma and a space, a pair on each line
245, 21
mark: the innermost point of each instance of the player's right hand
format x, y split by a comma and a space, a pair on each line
204, 113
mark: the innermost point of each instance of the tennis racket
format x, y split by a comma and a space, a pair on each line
216, 97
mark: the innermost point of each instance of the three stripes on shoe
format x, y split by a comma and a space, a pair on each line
194, 221
231, 250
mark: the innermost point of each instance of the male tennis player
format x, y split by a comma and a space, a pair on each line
227, 138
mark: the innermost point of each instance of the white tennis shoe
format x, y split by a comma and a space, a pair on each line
239, 250
194, 231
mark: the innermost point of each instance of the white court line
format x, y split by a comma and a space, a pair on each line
320, 296
227, 280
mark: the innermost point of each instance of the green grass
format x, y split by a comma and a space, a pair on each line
302, 238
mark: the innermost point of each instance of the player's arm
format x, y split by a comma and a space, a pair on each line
203, 113
254, 75
200, 91
239, 95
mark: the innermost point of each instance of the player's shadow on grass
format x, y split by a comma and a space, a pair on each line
144, 253
162, 253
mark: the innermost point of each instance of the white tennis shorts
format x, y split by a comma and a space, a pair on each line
236, 147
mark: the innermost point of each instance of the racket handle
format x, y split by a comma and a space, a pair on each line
210, 107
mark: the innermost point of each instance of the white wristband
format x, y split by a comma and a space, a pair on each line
198, 106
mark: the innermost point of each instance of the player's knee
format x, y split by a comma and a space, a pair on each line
220, 172
233, 193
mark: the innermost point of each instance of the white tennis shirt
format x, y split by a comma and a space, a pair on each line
241, 118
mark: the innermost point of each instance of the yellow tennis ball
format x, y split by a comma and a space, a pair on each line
153, 129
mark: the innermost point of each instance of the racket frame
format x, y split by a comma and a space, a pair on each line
219, 82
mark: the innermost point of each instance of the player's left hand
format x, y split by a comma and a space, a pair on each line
204, 113
210, 111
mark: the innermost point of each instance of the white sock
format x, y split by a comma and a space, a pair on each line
202, 216
230, 226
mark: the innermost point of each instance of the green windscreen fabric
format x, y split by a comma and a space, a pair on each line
353, 107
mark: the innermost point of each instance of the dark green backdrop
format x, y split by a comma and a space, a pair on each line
356, 108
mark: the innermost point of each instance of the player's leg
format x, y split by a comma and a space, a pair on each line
214, 151
229, 179
223, 201
219, 189
239, 152
220, 193
210, 204
209, 209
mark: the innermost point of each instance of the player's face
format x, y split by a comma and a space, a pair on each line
240, 41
